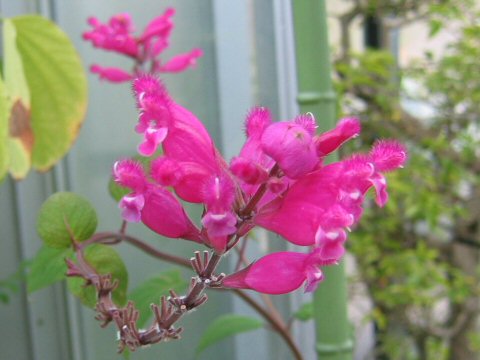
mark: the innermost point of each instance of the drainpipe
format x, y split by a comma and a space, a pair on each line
316, 95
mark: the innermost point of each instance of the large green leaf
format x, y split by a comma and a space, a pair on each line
151, 290
4, 153
65, 214
225, 326
46, 90
47, 267
16, 97
105, 260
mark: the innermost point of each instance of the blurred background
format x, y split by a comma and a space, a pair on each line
408, 69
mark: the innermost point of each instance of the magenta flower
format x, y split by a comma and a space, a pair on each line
328, 200
278, 182
281, 273
118, 36
291, 145
152, 204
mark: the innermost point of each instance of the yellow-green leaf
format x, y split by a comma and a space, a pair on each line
4, 152
57, 87
19, 138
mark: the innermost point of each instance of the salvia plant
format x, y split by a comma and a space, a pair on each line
279, 181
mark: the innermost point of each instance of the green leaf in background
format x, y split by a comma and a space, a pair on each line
47, 267
151, 290
105, 260
116, 191
305, 312
62, 212
46, 92
12, 283
225, 326
4, 153
20, 138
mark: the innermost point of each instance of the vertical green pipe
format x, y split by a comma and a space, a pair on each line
316, 95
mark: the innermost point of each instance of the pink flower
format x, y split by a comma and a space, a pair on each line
180, 62
152, 204
331, 140
164, 214
219, 220
280, 273
117, 36
326, 201
278, 182
291, 145
112, 74
132, 206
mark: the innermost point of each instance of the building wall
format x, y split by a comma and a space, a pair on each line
248, 60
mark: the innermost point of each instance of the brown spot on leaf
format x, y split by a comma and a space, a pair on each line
20, 125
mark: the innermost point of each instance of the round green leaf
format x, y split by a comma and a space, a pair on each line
65, 214
47, 267
57, 85
105, 260
227, 325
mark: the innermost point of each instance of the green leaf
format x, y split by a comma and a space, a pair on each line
48, 112
20, 137
151, 290
225, 326
305, 312
116, 191
4, 153
435, 27
47, 267
64, 212
105, 260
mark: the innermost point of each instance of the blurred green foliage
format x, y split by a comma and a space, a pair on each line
419, 256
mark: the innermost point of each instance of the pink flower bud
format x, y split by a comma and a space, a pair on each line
160, 26
290, 144
248, 171
165, 171
331, 140
112, 74
279, 273
181, 62
164, 214
257, 121
129, 173
388, 155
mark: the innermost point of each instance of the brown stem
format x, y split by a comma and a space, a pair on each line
277, 325
281, 330
107, 237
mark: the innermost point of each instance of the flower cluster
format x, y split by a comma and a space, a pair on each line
278, 182
117, 36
